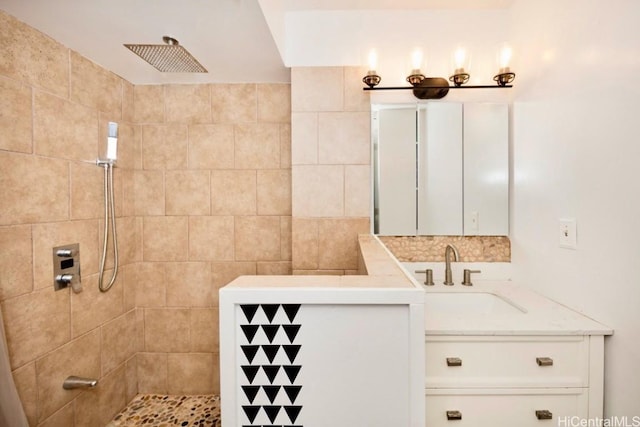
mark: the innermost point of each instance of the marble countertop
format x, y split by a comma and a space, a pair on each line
534, 314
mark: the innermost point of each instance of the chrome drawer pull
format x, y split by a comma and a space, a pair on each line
544, 361
454, 415
544, 414
454, 361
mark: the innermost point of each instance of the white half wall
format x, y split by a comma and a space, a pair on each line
575, 155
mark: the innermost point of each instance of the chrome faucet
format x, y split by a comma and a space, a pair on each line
447, 258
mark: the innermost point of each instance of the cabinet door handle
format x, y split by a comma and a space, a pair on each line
454, 415
544, 361
544, 414
454, 361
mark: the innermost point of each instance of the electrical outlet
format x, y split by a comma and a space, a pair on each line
567, 235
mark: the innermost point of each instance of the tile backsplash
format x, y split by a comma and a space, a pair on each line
431, 248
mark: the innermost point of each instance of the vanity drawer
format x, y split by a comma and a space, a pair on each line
504, 407
484, 361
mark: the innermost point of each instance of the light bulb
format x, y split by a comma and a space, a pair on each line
460, 59
504, 58
373, 60
416, 59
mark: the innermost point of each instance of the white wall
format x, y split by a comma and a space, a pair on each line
576, 153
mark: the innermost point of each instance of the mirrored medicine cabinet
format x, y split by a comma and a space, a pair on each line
441, 168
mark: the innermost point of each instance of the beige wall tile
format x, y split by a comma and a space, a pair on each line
304, 138
325, 94
80, 357
25, 381
211, 238
318, 191
191, 373
187, 103
234, 103
318, 272
304, 242
32, 57
211, 147
152, 373
129, 145
87, 191
35, 324
99, 406
166, 329
140, 329
150, 285
257, 238
233, 192
164, 147
15, 120
274, 103
94, 86
285, 146
131, 378
128, 192
338, 242
64, 417
189, 284
281, 268
64, 129
344, 138
204, 330
274, 192
285, 238
148, 104
48, 236
355, 99
257, 146
27, 184
127, 228
225, 272
165, 238
357, 191
127, 275
16, 262
187, 193
128, 102
91, 307
148, 188
118, 341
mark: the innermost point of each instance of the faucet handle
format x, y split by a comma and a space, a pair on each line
428, 280
467, 276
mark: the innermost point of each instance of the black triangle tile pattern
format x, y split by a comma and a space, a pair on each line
250, 351
291, 310
270, 331
251, 391
270, 310
292, 392
262, 403
249, 332
291, 331
291, 351
249, 311
272, 411
271, 391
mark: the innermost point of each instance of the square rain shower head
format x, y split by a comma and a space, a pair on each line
167, 58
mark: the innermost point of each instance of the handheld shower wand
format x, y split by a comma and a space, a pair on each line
109, 207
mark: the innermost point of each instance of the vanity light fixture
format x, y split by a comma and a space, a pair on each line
438, 87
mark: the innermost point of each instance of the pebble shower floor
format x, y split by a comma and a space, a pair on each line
161, 410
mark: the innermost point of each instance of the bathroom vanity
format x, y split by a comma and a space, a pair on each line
320, 351
500, 355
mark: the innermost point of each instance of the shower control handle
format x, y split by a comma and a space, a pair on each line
65, 253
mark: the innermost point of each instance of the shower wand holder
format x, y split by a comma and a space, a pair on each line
105, 162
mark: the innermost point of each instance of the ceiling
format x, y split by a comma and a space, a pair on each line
230, 38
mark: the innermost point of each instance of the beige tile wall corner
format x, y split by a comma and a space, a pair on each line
55, 105
214, 197
330, 152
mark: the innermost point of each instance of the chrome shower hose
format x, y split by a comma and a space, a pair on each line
109, 210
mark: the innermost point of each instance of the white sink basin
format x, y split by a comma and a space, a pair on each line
459, 303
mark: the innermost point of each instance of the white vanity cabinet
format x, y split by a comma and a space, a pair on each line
511, 380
